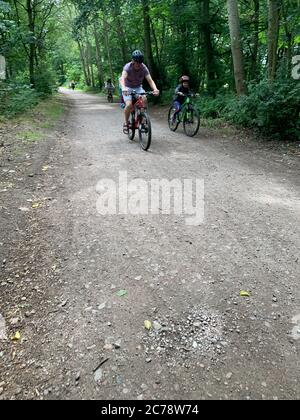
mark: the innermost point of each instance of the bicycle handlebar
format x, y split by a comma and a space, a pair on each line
133, 93
189, 95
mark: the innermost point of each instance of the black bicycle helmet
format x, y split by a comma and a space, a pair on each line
138, 56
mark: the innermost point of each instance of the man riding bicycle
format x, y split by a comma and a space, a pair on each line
132, 79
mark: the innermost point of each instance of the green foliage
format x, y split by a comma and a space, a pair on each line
272, 108
4, 23
215, 107
45, 81
16, 98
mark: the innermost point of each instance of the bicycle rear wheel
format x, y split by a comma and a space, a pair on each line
191, 122
145, 132
173, 119
131, 130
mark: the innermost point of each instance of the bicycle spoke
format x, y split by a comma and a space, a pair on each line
131, 131
191, 122
144, 131
173, 119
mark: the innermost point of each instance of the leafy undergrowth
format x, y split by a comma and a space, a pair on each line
31, 125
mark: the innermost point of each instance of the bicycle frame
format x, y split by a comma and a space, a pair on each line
137, 106
188, 115
139, 120
187, 104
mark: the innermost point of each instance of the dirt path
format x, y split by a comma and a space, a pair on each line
79, 339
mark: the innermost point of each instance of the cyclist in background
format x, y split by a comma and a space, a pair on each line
109, 86
132, 78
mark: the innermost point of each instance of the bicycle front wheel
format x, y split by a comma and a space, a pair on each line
145, 132
131, 130
191, 122
173, 119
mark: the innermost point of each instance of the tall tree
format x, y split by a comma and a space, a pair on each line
108, 49
208, 48
236, 46
147, 37
255, 40
38, 13
98, 55
273, 32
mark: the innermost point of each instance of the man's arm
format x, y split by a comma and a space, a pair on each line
122, 81
152, 85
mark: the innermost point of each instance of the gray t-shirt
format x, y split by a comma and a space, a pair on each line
135, 78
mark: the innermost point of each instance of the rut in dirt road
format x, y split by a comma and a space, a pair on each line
114, 272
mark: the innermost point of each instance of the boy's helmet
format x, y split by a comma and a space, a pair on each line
137, 56
184, 79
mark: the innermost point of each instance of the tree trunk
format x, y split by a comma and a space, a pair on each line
32, 47
254, 55
118, 24
121, 35
98, 57
92, 76
122, 38
208, 47
273, 32
289, 38
147, 40
81, 50
87, 61
106, 38
181, 33
90, 63
236, 47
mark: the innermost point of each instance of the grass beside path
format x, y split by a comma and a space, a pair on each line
31, 125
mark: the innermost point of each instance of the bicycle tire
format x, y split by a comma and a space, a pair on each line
131, 130
145, 131
172, 124
191, 122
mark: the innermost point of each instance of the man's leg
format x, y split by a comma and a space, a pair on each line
127, 111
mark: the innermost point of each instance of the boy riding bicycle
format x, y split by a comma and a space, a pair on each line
181, 90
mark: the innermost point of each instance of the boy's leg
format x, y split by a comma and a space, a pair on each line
177, 108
